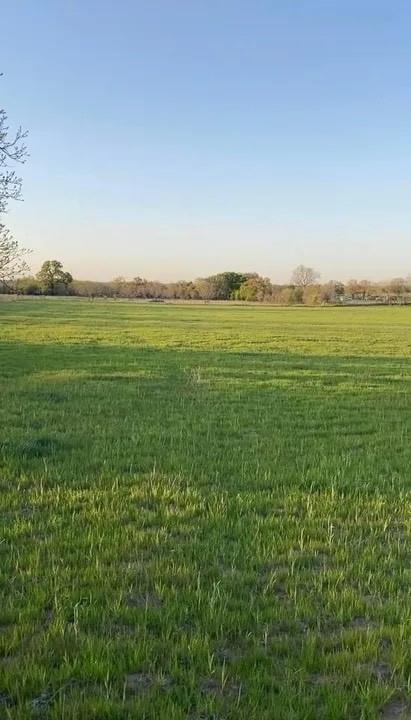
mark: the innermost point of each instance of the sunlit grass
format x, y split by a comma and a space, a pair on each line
206, 512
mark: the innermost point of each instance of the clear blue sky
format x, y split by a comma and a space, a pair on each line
176, 138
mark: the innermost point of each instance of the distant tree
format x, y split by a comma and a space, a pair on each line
205, 288
313, 295
339, 288
304, 276
129, 288
329, 292
398, 286
358, 288
255, 289
91, 288
12, 258
290, 296
118, 285
222, 286
27, 285
53, 279
227, 283
183, 289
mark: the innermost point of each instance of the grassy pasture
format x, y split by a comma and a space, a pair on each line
205, 512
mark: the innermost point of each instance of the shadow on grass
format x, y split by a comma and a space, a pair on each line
219, 417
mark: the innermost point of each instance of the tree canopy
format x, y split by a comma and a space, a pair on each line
53, 280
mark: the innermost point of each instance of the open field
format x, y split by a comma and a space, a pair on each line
205, 512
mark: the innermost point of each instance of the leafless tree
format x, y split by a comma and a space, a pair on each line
12, 150
304, 276
12, 258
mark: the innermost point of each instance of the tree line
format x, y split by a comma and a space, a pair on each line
52, 279
304, 288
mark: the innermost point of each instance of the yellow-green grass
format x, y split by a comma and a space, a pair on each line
205, 512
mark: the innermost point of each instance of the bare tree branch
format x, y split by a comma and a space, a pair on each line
12, 258
12, 150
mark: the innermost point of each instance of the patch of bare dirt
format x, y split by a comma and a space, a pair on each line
280, 591
122, 630
42, 702
165, 682
276, 569
145, 600
284, 631
312, 561
395, 709
385, 644
360, 623
228, 654
212, 686
5, 700
137, 683
320, 680
230, 572
140, 682
48, 618
380, 671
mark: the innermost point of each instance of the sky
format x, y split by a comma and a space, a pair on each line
173, 139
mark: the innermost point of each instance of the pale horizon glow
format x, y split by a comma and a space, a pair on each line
173, 140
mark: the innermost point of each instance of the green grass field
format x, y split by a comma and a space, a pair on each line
205, 512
